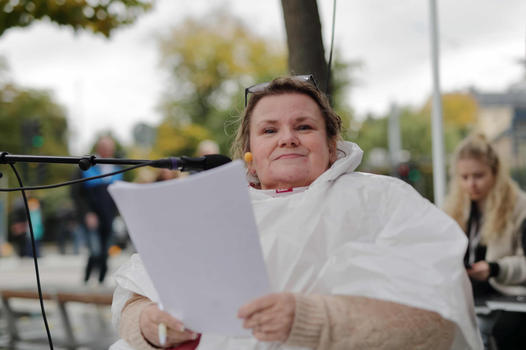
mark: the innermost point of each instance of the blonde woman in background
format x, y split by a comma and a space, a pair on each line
491, 209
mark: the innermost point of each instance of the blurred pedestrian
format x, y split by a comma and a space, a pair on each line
206, 147
69, 229
20, 226
37, 221
96, 208
491, 210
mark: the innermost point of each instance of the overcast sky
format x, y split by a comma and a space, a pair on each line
112, 84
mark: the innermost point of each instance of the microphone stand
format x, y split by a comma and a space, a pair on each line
84, 162
183, 163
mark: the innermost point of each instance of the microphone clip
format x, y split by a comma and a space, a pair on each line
3, 161
86, 162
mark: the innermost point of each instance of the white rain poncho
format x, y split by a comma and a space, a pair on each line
349, 233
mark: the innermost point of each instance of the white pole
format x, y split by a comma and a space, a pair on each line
439, 172
393, 137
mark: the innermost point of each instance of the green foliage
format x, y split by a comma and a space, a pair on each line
372, 134
415, 128
342, 81
178, 139
211, 62
459, 110
98, 16
20, 107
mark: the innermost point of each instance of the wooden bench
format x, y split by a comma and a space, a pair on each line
62, 296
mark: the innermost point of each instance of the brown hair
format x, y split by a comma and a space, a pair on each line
500, 202
278, 86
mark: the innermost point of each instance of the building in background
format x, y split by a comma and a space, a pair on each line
502, 118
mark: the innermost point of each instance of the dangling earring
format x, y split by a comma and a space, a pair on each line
248, 161
251, 172
248, 157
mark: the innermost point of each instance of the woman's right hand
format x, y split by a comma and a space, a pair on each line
479, 271
176, 333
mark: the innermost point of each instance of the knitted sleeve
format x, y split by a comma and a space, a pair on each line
512, 269
349, 322
130, 331
129, 328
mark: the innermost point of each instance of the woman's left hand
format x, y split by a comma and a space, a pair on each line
479, 271
270, 317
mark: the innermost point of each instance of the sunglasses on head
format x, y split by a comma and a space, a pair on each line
260, 87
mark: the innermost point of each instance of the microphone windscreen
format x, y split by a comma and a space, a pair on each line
215, 160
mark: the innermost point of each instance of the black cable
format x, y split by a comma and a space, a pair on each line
332, 46
71, 182
34, 256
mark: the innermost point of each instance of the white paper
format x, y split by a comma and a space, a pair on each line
199, 243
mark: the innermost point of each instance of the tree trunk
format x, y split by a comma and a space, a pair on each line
304, 40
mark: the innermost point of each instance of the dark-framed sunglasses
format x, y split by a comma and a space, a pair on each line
261, 86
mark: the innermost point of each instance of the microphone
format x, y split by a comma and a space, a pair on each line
185, 163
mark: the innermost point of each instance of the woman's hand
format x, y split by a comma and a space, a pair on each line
176, 334
270, 317
479, 271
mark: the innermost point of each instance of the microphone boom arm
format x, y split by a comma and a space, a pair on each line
183, 163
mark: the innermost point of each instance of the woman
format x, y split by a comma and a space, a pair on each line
369, 263
491, 209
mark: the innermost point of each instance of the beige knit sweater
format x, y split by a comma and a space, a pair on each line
337, 322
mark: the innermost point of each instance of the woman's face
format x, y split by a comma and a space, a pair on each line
476, 178
288, 141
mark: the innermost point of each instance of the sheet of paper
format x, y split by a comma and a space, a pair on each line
199, 243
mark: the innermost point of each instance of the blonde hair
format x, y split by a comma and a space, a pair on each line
501, 199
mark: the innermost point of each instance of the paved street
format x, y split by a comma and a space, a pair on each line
90, 323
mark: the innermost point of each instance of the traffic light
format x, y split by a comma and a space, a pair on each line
32, 133
37, 141
414, 175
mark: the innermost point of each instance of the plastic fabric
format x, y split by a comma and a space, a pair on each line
354, 234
